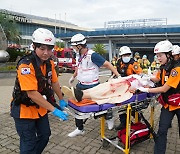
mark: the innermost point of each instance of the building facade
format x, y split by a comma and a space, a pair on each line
28, 23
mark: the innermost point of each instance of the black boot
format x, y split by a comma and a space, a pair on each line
78, 94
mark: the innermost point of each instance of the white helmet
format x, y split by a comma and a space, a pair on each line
78, 39
175, 50
136, 54
124, 50
43, 36
144, 57
163, 46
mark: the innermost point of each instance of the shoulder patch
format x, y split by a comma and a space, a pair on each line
174, 73
25, 71
135, 67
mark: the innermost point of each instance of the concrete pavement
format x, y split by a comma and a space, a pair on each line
59, 143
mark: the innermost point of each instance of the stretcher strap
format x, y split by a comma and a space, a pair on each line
149, 126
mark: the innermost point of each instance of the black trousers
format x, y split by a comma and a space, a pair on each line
79, 122
166, 117
34, 134
122, 117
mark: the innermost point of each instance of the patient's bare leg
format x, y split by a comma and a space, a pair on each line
85, 94
75, 93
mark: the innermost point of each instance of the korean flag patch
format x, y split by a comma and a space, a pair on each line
25, 71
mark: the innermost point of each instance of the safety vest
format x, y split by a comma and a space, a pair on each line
123, 67
164, 75
44, 84
145, 64
88, 72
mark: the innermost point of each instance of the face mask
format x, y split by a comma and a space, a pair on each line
126, 59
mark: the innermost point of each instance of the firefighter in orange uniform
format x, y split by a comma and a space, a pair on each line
33, 97
126, 66
168, 77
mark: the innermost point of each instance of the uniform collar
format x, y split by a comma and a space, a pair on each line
38, 60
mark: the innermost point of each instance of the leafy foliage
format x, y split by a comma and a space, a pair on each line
60, 44
8, 67
10, 28
100, 48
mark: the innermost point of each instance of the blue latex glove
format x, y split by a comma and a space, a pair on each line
62, 104
60, 114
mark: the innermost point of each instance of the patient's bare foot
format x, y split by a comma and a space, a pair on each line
67, 92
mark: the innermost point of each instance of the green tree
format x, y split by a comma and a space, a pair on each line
60, 44
100, 48
10, 28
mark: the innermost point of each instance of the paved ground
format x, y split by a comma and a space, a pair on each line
59, 143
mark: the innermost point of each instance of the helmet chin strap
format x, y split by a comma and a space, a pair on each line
169, 57
167, 65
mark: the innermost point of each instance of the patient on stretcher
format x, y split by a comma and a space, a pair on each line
113, 91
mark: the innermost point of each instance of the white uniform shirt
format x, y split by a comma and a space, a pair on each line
88, 72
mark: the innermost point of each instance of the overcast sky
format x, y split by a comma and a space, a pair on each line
93, 13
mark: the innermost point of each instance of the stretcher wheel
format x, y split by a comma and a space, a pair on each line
105, 143
65, 70
60, 70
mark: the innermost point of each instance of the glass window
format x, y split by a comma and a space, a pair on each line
67, 55
59, 54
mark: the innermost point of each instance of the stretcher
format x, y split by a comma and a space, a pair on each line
87, 109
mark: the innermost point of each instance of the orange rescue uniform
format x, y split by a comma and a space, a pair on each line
29, 82
172, 81
133, 68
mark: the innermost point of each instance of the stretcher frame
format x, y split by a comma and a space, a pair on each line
136, 106
129, 107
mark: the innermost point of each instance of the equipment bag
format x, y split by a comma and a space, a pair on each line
174, 100
139, 132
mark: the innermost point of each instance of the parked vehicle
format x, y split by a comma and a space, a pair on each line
66, 58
